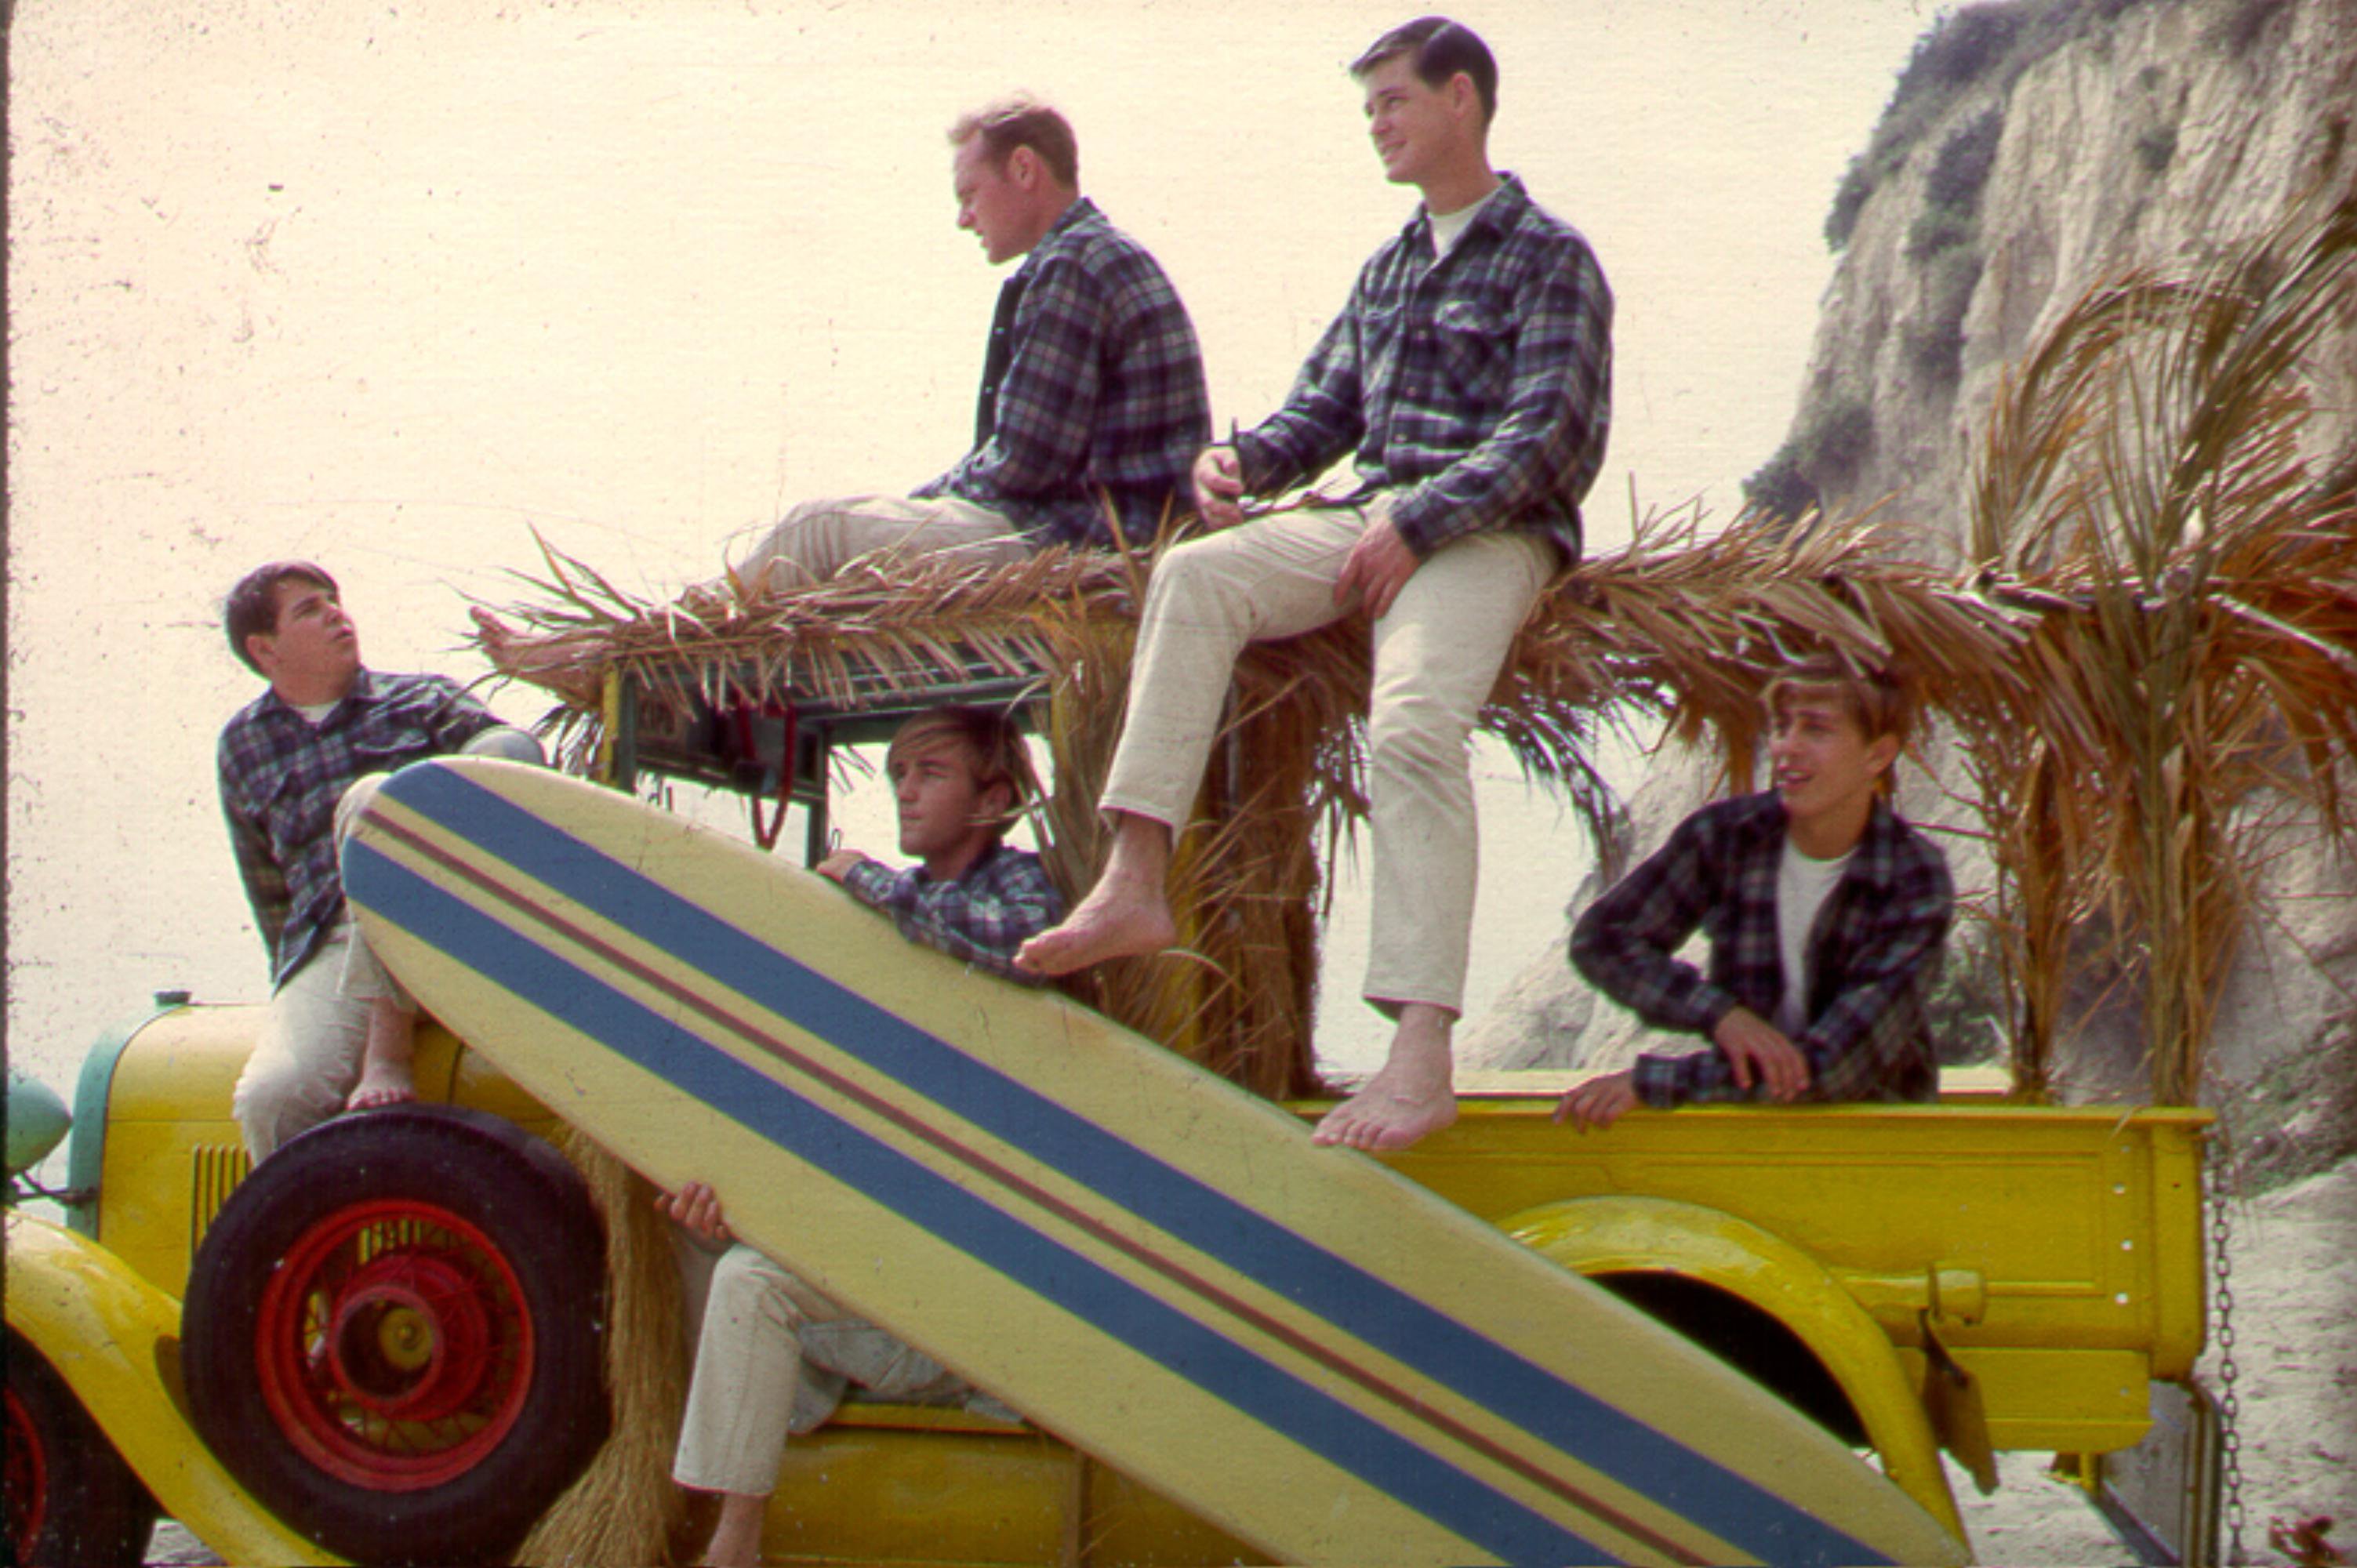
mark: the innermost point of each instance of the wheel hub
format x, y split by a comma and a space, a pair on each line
409, 1337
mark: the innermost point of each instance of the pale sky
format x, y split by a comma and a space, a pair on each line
393, 286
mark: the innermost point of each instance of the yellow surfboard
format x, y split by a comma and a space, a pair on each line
1311, 1351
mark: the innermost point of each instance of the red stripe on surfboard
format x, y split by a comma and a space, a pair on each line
981, 1162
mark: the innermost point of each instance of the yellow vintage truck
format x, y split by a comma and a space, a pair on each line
387, 1346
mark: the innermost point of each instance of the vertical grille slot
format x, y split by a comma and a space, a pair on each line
215, 1169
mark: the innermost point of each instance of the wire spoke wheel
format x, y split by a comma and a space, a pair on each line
71, 1499
393, 1346
395, 1332
28, 1475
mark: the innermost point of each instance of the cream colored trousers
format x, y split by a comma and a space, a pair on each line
817, 539
1437, 652
316, 1032
767, 1337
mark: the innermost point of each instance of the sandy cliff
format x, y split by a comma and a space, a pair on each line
2029, 151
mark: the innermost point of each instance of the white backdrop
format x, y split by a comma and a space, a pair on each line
392, 285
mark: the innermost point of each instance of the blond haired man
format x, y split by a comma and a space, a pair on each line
775, 1356
1827, 916
1092, 402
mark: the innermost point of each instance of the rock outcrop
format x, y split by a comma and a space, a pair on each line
2030, 151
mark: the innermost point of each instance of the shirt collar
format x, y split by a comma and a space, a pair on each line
363, 686
1497, 210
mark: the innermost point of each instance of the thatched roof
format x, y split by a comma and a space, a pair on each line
2161, 619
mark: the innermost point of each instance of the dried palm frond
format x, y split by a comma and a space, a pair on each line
2147, 465
2160, 617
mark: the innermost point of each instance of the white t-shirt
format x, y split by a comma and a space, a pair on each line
1447, 226
1802, 886
315, 712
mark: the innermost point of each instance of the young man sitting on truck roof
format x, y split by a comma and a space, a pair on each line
1092, 391
774, 1355
1826, 912
339, 1031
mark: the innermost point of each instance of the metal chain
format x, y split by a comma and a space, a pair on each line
2230, 1406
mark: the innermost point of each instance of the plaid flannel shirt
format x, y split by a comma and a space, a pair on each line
281, 777
1103, 394
1002, 900
1478, 389
1874, 953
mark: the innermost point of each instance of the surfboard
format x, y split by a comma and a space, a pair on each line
1307, 1349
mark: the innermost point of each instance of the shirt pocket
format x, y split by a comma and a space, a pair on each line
1382, 338
1477, 352
296, 814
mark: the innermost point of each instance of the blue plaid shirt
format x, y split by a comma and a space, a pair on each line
1874, 953
1477, 389
1003, 901
281, 777
1102, 393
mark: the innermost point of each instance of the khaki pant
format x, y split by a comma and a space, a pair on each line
766, 1338
818, 539
309, 1058
1437, 652
313, 1039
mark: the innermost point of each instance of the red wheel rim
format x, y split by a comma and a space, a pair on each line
29, 1479
393, 1346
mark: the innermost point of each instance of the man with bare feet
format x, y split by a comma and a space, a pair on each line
339, 1031
1092, 395
1471, 370
774, 1356
1827, 916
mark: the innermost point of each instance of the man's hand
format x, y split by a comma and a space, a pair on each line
1379, 567
1599, 1102
1755, 1049
695, 1208
837, 867
1220, 485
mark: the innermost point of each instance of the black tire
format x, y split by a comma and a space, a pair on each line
72, 1502
394, 1332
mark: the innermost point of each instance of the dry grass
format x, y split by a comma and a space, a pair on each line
2161, 619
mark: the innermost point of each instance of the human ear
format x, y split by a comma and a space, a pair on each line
262, 646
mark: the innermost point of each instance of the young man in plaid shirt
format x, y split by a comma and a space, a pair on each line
337, 1031
1093, 392
774, 1356
1470, 372
1825, 913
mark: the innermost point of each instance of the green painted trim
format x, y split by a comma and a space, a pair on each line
86, 1154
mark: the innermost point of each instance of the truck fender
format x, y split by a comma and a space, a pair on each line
1628, 1235
115, 1340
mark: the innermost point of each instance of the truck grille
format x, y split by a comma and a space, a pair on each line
214, 1171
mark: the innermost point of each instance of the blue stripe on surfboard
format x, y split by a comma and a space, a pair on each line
1278, 1398
1724, 1502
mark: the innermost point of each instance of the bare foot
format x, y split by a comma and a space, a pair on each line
1412, 1096
1120, 919
379, 1087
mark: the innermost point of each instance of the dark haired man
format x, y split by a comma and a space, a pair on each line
1827, 916
1092, 395
774, 1356
1471, 370
287, 762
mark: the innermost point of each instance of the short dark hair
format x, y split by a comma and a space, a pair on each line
1436, 49
251, 609
991, 738
1022, 121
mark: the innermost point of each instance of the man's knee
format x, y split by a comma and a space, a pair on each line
276, 1099
1417, 734
354, 801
